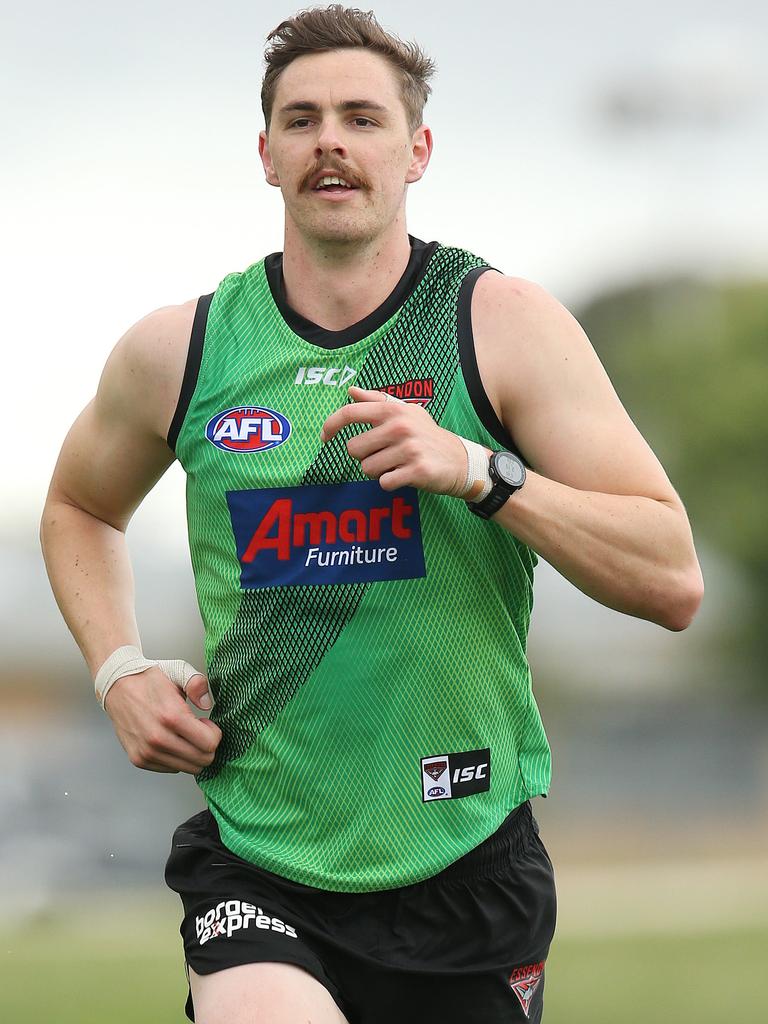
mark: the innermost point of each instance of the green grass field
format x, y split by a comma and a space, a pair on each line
125, 966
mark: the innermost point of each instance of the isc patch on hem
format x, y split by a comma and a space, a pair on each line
448, 776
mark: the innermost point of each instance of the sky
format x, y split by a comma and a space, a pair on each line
131, 177
575, 145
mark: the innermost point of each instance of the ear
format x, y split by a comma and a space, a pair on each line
421, 151
266, 159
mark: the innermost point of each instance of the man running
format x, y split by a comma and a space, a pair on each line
378, 434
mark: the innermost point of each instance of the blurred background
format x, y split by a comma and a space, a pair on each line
617, 155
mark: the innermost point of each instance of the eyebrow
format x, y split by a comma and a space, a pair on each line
314, 108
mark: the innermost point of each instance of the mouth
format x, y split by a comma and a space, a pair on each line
332, 186
334, 195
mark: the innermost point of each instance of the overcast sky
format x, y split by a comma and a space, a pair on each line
575, 145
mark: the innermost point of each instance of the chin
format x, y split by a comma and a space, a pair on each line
338, 227
343, 232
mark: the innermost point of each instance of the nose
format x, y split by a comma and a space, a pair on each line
329, 139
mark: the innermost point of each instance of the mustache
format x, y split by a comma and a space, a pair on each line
338, 172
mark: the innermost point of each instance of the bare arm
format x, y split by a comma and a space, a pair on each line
95, 489
598, 506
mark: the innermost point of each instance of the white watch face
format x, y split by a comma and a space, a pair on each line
510, 469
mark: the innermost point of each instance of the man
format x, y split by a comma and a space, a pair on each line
378, 434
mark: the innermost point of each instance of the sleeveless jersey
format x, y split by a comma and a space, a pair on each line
366, 649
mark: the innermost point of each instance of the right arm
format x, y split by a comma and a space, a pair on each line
113, 455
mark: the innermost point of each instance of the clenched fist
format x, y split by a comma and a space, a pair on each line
156, 726
404, 447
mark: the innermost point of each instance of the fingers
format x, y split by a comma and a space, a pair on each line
371, 441
173, 753
385, 448
372, 407
162, 768
172, 766
157, 728
381, 462
367, 412
395, 478
367, 395
202, 735
174, 742
404, 447
190, 681
198, 692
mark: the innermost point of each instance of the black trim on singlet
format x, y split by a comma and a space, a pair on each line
192, 367
421, 252
469, 368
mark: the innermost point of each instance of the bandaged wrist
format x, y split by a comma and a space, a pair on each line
478, 483
125, 661
129, 661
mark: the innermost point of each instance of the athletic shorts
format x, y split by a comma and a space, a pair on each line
466, 945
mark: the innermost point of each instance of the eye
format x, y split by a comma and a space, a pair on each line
367, 121
300, 122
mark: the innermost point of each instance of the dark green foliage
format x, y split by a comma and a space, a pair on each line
690, 361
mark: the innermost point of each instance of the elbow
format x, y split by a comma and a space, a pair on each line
43, 525
48, 519
682, 600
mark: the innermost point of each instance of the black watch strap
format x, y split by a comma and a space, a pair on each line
507, 474
491, 503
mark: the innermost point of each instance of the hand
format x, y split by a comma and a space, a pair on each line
404, 447
155, 725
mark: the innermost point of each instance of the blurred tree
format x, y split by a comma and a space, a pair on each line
690, 361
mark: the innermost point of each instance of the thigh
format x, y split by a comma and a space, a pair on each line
262, 993
506, 996
240, 936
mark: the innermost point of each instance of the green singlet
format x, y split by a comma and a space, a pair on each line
366, 649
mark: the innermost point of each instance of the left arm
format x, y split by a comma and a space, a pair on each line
633, 553
597, 505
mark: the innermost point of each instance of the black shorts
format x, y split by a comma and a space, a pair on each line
468, 944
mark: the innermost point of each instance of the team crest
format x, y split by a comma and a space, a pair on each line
524, 981
435, 769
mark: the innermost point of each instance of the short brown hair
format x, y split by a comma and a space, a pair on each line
336, 27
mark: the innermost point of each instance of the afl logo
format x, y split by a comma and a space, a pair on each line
248, 428
436, 791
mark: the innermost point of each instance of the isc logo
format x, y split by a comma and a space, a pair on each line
479, 771
331, 376
247, 429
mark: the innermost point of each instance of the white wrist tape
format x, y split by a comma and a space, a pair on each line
478, 484
129, 661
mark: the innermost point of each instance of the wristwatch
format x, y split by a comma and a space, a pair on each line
507, 474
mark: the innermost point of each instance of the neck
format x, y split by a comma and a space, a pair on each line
336, 285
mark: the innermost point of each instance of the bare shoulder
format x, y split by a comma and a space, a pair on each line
130, 415
523, 337
512, 311
551, 392
144, 371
